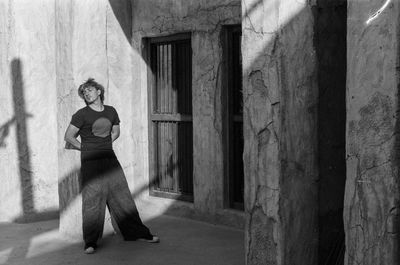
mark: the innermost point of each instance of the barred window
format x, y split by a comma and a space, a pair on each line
170, 117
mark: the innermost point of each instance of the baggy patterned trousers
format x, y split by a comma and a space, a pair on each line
104, 184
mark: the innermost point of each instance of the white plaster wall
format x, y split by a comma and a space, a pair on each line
27, 37
91, 42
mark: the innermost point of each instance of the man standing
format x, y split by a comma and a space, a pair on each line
103, 180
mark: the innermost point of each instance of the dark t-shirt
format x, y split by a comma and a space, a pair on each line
95, 127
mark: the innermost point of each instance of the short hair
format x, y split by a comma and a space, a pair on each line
91, 83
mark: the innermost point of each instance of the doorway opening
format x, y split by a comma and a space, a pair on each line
233, 117
331, 30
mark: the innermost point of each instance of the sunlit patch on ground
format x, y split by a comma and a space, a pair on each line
46, 242
4, 254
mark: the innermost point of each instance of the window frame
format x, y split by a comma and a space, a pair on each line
151, 81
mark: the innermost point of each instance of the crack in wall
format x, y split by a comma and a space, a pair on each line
263, 234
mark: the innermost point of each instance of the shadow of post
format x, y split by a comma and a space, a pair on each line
24, 156
29, 213
68, 189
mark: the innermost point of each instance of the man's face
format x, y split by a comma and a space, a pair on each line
91, 94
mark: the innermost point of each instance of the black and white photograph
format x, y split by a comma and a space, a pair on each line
199, 132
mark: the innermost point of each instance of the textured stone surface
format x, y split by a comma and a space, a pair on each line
371, 212
207, 123
280, 107
28, 121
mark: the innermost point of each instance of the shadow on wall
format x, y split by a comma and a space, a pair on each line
123, 12
24, 156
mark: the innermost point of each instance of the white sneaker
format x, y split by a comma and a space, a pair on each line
90, 250
155, 239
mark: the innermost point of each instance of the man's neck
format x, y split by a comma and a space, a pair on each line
97, 105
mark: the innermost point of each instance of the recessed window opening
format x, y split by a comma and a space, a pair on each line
170, 117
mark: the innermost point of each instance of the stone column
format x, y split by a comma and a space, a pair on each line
371, 213
207, 124
280, 152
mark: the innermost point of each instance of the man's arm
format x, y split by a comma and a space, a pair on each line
70, 137
115, 132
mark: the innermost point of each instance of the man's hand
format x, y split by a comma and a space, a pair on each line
70, 146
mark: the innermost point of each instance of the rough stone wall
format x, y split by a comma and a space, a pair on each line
91, 41
28, 121
280, 107
204, 19
371, 210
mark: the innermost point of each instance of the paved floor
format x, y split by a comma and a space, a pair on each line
183, 242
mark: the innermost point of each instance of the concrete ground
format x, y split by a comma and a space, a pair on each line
183, 242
